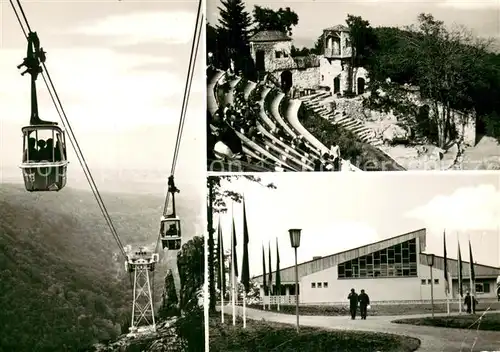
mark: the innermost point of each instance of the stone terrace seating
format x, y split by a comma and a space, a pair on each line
268, 150
212, 104
364, 133
309, 148
292, 116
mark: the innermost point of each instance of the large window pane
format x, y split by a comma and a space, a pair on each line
398, 260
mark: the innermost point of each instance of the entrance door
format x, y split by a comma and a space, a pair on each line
361, 85
260, 61
286, 81
336, 85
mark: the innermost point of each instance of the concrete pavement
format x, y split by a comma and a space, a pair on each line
433, 339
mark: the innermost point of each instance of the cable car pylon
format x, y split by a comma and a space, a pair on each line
141, 263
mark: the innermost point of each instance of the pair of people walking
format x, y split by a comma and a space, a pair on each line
470, 303
362, 300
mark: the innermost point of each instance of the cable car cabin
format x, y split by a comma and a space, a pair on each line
170, 232
141, 257
44, 158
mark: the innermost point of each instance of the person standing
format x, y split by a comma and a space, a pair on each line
470, 302
353, 303
364, 301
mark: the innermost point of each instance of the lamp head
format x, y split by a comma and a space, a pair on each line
430, 259
295, 237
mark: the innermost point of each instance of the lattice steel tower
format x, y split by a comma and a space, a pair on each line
141, 263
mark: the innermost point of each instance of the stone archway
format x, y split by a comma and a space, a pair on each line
361, 85
336, 85
286, 80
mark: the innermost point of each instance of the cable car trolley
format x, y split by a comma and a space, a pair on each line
170, 224
44, 161
142, 258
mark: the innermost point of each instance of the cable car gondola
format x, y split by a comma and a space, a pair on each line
44, 162
170, 231
170, 224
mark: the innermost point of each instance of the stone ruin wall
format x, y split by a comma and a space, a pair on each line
302, 78
380, 121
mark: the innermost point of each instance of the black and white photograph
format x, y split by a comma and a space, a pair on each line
352, 85
337, 262
102, 176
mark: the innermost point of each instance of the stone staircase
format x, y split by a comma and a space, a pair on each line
315, 103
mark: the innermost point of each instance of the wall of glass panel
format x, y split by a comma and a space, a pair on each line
397, 261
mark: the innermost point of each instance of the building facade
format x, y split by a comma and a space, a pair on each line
392, 270
271, 52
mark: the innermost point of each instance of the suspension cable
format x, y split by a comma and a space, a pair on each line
62, 115
187, 88
187, 91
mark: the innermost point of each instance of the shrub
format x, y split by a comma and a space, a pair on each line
329, 134
191, 330
364, 155
169, 306
489, 322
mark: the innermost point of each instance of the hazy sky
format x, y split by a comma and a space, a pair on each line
339, 212
482, 16
120, 69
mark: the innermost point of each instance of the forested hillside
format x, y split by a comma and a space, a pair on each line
62, 282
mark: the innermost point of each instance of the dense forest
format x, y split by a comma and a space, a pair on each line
453, 68
63, 285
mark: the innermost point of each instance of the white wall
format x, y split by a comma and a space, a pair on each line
383, 289
329, 71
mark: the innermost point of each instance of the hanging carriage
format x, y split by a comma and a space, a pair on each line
170, 224
170, 232
44, 161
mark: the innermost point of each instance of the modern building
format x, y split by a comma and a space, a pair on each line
392, 270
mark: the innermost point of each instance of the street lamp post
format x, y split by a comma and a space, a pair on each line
295, 242
430, 262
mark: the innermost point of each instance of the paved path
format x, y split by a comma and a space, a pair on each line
433, 339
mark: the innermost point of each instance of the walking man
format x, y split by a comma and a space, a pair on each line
470, 303
353, 303
364, 301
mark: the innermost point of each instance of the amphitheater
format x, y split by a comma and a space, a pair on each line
319, 84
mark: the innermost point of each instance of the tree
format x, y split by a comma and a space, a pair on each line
361, 39
233, 32
296, 52
190, 262
217, 204
169, 306
282, 20
212, 40
220, 195
318, 46
190, 326
447, 69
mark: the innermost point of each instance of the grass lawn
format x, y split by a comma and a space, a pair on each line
266, 336
380, 310
467, 321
